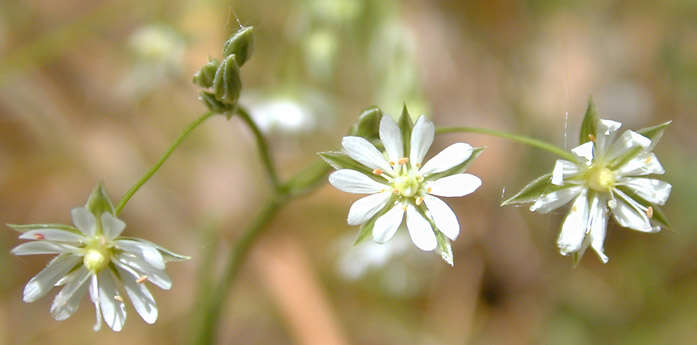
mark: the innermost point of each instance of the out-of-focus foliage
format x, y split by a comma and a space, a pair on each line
73, 113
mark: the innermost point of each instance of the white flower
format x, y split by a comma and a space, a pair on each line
609, 177
400, 186
92, 256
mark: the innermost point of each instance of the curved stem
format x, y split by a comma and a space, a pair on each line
163, 159
263, 146
519, 138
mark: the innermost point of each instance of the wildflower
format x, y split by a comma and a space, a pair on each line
92, 256
399, 184
609, 176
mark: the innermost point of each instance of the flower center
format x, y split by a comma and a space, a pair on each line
97, 255
407, 183
600, 178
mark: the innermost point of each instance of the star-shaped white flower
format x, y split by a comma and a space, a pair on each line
92, 256
400, 185
608, 177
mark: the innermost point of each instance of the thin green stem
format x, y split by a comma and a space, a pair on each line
263, 147
163, 159
519, 138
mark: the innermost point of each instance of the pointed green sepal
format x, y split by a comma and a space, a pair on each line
227, 84
340, 160
589, 126
365, 232
30, 227
215, 105
99, 201
655, 133
368, 124
445, 248
241, 45
406, 124
204, 77
532, 191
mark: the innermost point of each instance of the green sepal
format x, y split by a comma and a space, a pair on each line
366, 229
227, 84
589, 126
30, 227
532, 191
368, 124
340, 160
445, 248
99, 202
406, 124
655, 133
215, 105
204, 77
241, 45
167, 254
460, 167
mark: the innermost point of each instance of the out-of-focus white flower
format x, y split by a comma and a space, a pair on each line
93, 256
356, 260
157, 43
402, 186
283, 114
609, 176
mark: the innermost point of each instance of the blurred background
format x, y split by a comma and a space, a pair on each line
96, 90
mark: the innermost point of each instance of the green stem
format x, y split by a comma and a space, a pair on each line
519, 138
163, 159
263, 146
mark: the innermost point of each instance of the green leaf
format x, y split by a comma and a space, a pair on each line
368, 124
655, 133
30, 227
590, 124
405, 124
241, 45
460, 167
339, 160
532, 191
227, 84
445, 248
99, 202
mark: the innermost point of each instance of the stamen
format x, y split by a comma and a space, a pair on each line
649, 212
419, 201
118, 298
403, 161
141, 279
429, 189
392, 163
648, 160
39, 236
377, 172
404, 207
574, 208
591, 137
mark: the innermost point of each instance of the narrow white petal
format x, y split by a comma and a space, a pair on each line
113, 310
573, 230
420, 230
443, 216
154, 275
631, 214
421, 140
391, 137
53, 235
112, 226
365, 208
84, 220
41, 247
140, 296
94, 297
606, 132
67, 300
627, 141
563, 169
352, 181
551, 201
386, 226
450, 157
44, 281
654, 191
144, 250
584, 151
643, 164
364, 152
598, 226
454, 185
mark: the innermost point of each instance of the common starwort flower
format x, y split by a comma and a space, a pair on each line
399, 184
609, 176
92, 256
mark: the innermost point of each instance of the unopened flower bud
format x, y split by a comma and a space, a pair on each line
368, 124
204, 77
227, 84
241, 45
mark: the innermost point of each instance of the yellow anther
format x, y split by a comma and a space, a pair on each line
419, 201
118, 298
591, 137
429, 189
647, 160
404, 208
574, 208
392, 163
141, 279
649, 212
39, 236
403, 161
377, 172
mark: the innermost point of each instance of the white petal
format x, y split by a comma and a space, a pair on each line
450, 157
94, 297
386, 226
643, 164
113, 310
420, 230
421, 140
598, 226
574, 228
365, 208
154, 275
41, 247
53, 235
144, 250
391, 137
112, 226
584, 151
631, 214
364, 152
352, 181
454, 185
443, 216
606, 132
140, 296
68, 299
551, 201
654, 191
562, 169
84, 220
627, 141
44, 281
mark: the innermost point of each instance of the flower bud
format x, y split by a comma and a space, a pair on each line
241, 45
227, 84
204, 77
213, 104
368, 124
